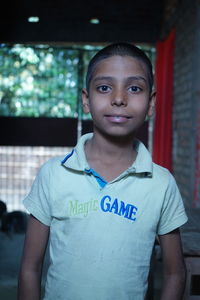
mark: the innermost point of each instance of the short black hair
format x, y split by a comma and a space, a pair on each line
121, 49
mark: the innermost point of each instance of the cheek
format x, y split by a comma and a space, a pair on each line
98, 104
140, 105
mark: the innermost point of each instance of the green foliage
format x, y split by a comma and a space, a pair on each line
39, 81
43, 80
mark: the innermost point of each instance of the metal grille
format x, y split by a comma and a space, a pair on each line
18, 168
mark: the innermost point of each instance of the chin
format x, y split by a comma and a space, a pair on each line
118, 134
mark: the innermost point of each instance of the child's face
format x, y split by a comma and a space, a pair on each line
119, 98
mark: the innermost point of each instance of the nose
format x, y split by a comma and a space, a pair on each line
119, 99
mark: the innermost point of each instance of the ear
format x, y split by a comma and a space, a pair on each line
152, 103
85, 101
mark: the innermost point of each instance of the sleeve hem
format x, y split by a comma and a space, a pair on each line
33, 211
178, 223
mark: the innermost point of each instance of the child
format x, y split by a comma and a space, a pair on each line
102, 206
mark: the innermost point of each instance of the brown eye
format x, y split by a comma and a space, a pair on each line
103, 88
135, 89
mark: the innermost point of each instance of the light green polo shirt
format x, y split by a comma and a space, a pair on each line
101, 238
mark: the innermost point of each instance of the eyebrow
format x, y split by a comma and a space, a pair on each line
103, 78
134, 78
137, 78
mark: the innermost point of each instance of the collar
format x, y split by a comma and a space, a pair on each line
76, 160
143, 162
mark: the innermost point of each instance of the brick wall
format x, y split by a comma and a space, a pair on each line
170, 15
184, 16
184, 114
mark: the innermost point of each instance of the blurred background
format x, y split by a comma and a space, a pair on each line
45, 47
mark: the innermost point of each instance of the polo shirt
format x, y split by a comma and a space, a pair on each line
101, 236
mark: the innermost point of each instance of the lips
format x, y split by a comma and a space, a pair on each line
117, 118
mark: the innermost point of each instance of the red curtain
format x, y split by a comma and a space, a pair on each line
162, 138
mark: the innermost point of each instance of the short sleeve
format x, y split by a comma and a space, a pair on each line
37, 202
173, 213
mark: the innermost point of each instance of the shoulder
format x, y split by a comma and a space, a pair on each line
160, 171
52, 162
52, 165
163, 175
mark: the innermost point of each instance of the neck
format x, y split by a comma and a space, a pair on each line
111, 148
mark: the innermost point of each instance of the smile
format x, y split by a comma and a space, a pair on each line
117, 118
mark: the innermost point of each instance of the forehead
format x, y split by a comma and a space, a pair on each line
120, 66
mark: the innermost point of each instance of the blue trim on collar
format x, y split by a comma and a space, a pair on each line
67, 156
98, 177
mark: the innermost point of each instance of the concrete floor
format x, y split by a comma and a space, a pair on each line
11, 248
10, 255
